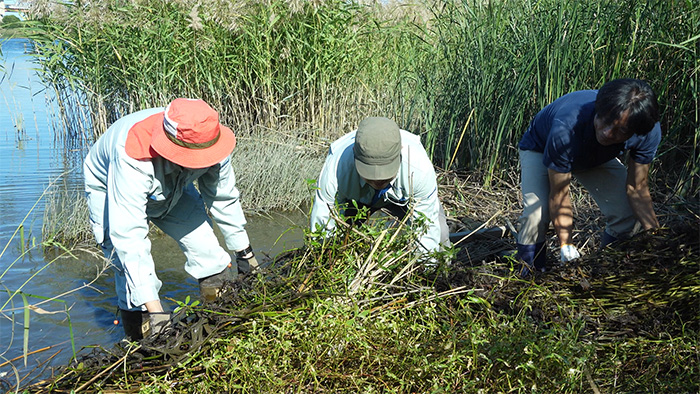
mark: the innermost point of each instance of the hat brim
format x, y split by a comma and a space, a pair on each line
194, 158
375, 172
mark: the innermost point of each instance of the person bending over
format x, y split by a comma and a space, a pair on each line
142, 170
583, 134
380, 166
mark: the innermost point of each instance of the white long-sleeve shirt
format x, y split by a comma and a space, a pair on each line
131, 191
340, 183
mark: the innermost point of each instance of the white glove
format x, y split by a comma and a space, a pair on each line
568, 253
253, 264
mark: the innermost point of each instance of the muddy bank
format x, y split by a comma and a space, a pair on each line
647, 287
644, 290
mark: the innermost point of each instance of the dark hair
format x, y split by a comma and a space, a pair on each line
627, 94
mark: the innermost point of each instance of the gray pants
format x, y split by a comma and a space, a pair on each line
606, 183
187, 223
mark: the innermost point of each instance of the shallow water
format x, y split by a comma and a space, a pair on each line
30, 159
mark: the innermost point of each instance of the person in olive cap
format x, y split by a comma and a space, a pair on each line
381, 167
142, 170
582, 134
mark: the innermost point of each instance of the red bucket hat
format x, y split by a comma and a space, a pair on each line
192, 136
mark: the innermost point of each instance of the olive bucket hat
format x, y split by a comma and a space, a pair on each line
377, 148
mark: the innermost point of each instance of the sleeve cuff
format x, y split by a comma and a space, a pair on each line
143, 294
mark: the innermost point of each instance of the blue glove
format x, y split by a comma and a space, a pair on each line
568, 253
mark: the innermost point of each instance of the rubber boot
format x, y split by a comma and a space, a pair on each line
210, 287
133, 322
532, 256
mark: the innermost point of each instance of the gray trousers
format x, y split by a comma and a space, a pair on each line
187, 223
606, 183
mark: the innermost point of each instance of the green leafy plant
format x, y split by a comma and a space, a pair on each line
186, 306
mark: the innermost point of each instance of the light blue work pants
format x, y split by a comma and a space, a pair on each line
187, 223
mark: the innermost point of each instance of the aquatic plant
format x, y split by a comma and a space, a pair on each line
307, 324
34, 303
66, 216
467, 78
312, 70
278, 65
499, 62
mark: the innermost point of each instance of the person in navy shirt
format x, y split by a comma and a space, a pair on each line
584, 134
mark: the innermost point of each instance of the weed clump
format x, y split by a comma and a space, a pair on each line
620, 319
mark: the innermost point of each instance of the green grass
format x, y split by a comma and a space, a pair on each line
505, 60
281, 65
466, 75
10, 27
290, 78
307, 326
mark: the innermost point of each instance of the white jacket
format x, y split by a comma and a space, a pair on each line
340, 183
131, 191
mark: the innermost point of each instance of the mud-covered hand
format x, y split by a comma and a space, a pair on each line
246, 261
569, 253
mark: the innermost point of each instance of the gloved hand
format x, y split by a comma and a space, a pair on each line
246, 266
210, 287
568, 253
157, 323
138, 325
246, 261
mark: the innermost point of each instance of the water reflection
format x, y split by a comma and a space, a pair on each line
30, 158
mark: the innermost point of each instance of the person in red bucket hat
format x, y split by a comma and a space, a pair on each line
142, 170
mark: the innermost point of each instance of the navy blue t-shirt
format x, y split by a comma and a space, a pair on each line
563, 132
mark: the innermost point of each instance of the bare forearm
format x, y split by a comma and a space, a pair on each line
562, 218
639, 196
154, 306
643, 208
560, 208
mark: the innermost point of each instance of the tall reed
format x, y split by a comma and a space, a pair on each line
314, 69
320, 66
507, 59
